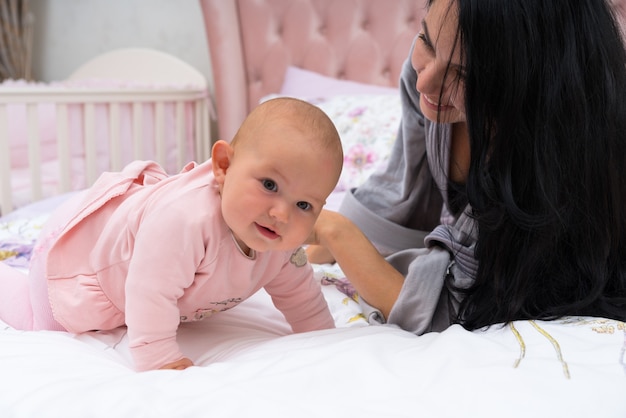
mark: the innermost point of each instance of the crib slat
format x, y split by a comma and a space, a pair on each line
34, 151
203, 133
6, 195
137, 130
181, 134
63, 147
159, 124
114, 137
197, 109
91, 163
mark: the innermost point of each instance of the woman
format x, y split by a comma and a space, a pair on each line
511, 153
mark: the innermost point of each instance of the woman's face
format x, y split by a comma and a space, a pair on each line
436, 59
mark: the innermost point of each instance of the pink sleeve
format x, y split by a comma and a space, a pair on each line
167, 251
296, 294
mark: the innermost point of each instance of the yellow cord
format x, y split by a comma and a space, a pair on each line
556, 346
550, 338
522, 345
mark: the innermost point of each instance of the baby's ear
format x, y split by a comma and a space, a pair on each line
221, 156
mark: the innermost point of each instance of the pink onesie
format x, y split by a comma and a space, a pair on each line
149, 251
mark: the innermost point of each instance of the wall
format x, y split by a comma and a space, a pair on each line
68, 33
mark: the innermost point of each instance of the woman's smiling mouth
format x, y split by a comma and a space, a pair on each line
435, 104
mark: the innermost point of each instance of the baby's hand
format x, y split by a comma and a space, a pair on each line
181, 364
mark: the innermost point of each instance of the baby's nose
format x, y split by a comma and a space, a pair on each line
280, 211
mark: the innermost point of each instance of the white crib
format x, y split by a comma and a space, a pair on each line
123, 105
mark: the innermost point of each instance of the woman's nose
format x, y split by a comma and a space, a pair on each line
418, 59
428, 77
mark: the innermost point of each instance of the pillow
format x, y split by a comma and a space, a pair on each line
303, 83
17, 239
366, 116
368, 126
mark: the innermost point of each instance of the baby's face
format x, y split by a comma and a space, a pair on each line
275, 188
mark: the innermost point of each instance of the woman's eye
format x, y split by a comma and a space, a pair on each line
461, 74
304, 205
270, 185
422, 37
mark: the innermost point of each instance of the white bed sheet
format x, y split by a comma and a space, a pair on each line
248, 364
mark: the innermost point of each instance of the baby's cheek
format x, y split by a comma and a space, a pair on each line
304, 230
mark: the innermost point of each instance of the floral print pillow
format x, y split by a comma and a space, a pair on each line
368, 126
17, 238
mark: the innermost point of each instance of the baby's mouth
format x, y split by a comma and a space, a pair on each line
267, 232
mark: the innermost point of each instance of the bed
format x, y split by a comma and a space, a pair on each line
345, 56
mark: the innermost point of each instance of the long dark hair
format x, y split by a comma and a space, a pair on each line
545, 88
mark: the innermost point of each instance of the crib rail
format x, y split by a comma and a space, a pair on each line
88, 98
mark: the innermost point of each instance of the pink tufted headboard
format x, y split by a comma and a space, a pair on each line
252, 42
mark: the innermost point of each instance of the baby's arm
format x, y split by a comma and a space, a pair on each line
159, 273
152, 319
296, 294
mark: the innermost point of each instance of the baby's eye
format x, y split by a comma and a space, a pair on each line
269, 185
304, 205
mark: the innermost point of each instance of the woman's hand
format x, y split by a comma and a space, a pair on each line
181, 364
337, 238
319, 255
317, 252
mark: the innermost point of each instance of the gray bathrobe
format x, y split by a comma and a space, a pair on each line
404, 211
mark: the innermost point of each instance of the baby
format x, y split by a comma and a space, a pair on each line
149, 251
